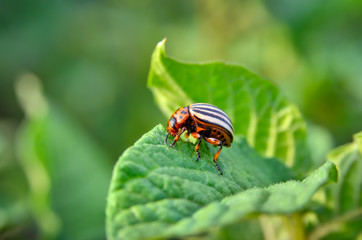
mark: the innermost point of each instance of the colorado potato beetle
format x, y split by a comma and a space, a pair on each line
202, 121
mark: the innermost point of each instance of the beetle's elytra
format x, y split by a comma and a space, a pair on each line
202, 121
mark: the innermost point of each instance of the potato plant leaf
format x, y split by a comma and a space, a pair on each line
162, 192
159, 192
341, 211
348, 158
259, 111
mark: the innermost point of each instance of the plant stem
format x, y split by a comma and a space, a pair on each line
334, 224
295, 226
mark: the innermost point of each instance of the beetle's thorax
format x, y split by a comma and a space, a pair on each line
181, 117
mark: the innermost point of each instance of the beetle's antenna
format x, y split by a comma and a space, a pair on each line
166, 138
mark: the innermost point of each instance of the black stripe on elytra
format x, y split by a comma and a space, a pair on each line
211, 108
214, 116
216, 109
205, 126
202, 105
205, 121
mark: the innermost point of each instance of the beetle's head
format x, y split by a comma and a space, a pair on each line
172, 126
177, 121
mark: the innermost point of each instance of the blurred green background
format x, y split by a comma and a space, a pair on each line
73, 90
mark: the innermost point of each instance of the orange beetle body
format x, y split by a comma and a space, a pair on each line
204, 122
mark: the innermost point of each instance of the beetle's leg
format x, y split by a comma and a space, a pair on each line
198, 136
187, 134
197, 149
166, 138
215, 160
178, 136
217, 142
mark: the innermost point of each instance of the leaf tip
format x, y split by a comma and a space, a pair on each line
158, 52
160, 48
162, 43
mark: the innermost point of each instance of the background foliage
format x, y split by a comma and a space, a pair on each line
73, 90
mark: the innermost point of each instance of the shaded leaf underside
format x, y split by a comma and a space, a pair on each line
348, 158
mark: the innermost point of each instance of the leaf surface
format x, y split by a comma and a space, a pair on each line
158, 191
340, 208
259, 111
348, 158
161, 192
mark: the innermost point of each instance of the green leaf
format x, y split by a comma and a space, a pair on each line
348, 158
68, 172
271, 124
158, 191
340, 216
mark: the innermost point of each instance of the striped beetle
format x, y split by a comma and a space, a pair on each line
202, 121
